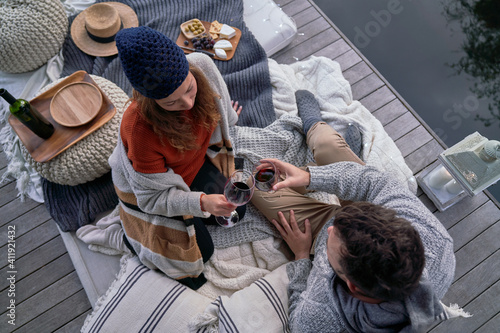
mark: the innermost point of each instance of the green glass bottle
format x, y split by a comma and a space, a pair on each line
28, 115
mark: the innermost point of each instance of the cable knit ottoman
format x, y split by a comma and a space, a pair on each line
31, 32
87, 159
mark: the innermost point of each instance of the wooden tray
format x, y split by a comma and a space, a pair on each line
234, 41
64, 137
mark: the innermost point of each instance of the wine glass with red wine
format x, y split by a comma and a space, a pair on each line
238, 191
266, 176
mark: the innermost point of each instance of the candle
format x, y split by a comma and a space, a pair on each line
453, 187
439, 177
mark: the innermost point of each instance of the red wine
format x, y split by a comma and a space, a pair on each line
265, 179
28, 115
238, 194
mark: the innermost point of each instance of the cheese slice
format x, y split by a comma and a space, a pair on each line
221, 53
227, 32
223, 44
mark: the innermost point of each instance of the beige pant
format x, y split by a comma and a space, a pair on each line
328, 146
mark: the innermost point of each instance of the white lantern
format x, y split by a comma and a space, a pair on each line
465, 169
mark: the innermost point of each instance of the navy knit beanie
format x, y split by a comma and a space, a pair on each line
154, 64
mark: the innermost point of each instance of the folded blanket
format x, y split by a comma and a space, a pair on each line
246, 74
74, 206
237, 267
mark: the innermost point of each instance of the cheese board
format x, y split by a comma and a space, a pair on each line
185, 42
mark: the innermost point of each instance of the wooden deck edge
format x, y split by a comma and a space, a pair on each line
392, 89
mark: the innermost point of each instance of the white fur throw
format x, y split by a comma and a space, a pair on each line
324, 78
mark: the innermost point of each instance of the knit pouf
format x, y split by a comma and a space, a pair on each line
31, 32
88, 158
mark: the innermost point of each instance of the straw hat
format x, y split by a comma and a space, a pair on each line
94, 29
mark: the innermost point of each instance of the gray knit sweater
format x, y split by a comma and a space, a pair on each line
164, 195
319, 304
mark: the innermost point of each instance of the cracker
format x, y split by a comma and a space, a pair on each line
215, 26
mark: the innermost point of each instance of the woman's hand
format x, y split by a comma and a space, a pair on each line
217, 205
295, 177
236, 108
299, 242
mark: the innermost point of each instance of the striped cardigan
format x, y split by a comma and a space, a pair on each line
149, 201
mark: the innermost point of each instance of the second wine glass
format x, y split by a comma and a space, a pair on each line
266, 176
238, 191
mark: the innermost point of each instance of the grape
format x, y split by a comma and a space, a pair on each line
186, 42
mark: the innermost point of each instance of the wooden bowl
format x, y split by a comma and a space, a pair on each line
189, 33
76, 104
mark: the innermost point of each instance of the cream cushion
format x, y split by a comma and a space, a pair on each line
31, 32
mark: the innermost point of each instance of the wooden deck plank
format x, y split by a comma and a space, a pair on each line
76, 306
423, 156
37, 259
282, 3
293, 8
401, 126
339, 51
304, 33
366, 86
14, 208
41, 279
473, 225
30, 241
3, 164
471, 255
427, 202
357, 72
491, 325
9, 193
45, 300
303, 16
346, 59
377, 99
309, 47
75, 325
484, 307
410, 142
455, 213
390, 111
35, 216
6, 181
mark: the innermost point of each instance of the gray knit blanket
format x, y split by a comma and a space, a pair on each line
246, 74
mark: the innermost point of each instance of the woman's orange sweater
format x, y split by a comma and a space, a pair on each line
149, 154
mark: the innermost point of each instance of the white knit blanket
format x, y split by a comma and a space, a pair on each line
323, 77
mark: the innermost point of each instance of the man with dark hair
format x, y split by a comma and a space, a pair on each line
379, 266
379, 255
381, 263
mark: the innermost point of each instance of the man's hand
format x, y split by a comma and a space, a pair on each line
299, 242
295, 177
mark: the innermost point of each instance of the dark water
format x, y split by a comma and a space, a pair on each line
412, 44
